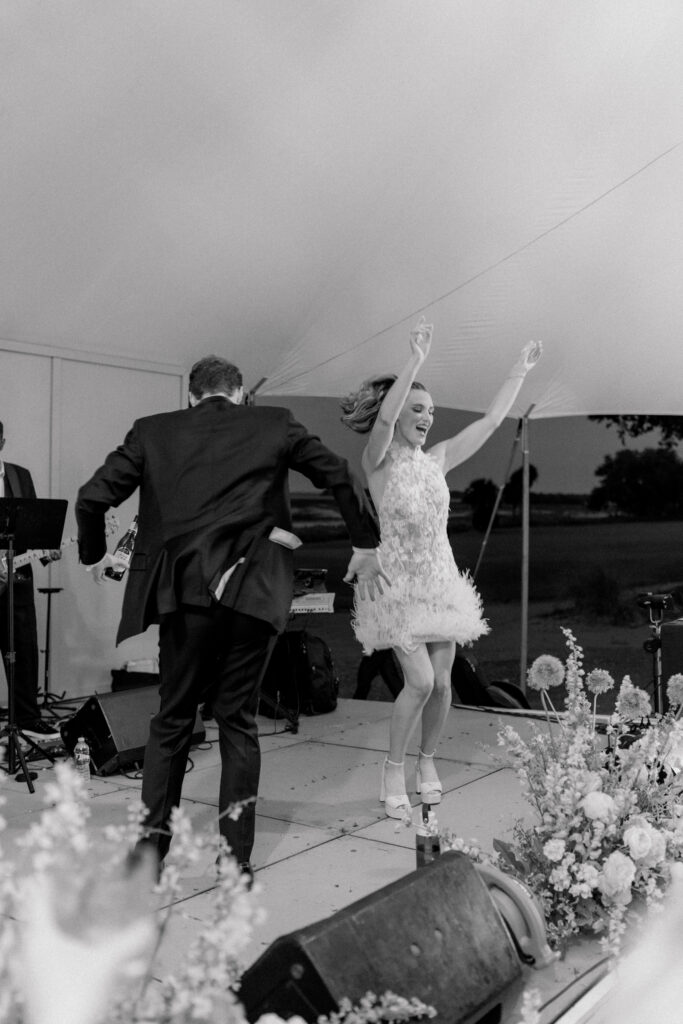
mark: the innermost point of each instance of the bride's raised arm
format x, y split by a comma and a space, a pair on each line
458, 449
383, 428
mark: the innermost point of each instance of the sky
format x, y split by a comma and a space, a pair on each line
566, 450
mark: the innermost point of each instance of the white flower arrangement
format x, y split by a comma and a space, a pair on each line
81, 924
607, 804
373, 1009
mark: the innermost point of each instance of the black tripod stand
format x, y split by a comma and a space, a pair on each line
656, 605
25, 523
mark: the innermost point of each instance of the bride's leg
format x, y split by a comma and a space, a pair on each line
417, 691
418, 684
435, 712
434, 716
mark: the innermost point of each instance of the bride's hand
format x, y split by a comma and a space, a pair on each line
529, 356
421, 338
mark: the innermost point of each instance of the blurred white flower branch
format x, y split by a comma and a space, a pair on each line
82, 922
91, 919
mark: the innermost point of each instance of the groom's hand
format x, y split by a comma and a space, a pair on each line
108, 561
366, 572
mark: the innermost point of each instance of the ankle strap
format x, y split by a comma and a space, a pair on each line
395, 764
422, 753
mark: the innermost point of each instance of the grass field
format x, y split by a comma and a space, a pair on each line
567, 564
634, 554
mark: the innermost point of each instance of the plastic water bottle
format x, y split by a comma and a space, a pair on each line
82, 759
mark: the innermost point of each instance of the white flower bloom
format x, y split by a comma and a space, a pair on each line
658, 850
598, 805
546, 671
633, 704
638, 840
588, 874
674, 689
616, 877
599, 681
554, 849
646, 844
590, 782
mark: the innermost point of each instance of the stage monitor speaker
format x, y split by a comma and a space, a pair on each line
123, 680
116, 728
672, 649
435, 934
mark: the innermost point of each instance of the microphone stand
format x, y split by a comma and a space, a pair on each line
48, 697
656, 604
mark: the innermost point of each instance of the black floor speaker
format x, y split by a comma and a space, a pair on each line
435, 934
116, 728
672, 648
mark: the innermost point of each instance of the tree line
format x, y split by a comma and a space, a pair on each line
646, 484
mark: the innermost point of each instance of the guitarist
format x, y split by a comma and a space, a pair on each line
16, 482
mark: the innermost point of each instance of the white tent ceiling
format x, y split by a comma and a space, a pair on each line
290, 182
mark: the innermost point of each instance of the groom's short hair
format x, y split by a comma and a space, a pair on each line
213, 374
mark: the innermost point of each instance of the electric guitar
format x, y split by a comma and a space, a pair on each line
111, 525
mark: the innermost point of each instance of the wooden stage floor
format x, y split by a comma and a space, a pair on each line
322, 841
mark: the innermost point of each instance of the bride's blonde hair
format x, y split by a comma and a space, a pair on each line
361, 407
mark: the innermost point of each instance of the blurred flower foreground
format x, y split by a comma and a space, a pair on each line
82, 923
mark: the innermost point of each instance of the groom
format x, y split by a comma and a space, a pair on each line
213, 565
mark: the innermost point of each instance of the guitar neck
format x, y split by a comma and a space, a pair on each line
34, 555
111, 524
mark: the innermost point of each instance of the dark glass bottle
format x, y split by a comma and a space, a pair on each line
123, 552
427, 841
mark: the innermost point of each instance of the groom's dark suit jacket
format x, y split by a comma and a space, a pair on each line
213, 483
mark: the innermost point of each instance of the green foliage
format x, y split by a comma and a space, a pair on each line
596, 594
513, 492
646, 484
670, 427
481, 492
481, 496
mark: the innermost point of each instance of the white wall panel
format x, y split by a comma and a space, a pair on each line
62, 415
98, 406
25, 411
25, 406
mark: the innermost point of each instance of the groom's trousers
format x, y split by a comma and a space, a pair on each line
218, 655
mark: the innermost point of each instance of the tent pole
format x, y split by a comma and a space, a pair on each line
250, 396
525, 550
494, 513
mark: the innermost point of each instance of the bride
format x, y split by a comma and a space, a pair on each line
431, 606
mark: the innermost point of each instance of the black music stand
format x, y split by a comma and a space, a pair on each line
25, 524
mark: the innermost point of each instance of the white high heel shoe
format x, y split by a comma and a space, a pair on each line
396, 804
429, 788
